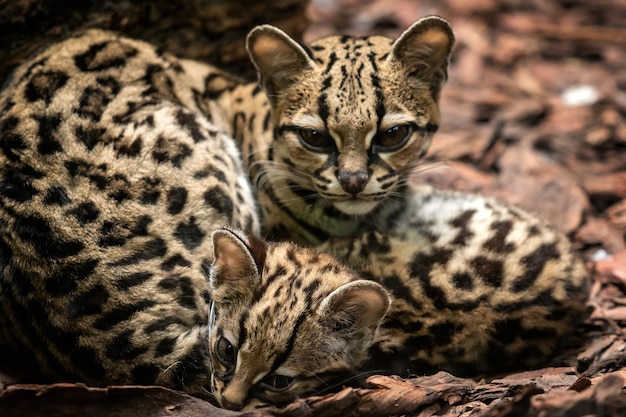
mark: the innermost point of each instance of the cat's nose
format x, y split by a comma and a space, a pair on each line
235, 406
353, 182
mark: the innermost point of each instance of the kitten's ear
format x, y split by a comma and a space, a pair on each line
357, 306
424, 51
278, 58
237, 263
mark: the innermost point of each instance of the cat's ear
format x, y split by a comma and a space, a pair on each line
237, 263
424, 51
278, 58
356, 307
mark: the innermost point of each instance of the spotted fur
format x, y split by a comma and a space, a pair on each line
115, 191
128, 228
483, 287
325, 178
346, 121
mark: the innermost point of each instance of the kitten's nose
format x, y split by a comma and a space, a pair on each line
231, 405
353, 182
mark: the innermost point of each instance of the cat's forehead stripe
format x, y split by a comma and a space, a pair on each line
281, 358
243, 334
266, 316
356, 97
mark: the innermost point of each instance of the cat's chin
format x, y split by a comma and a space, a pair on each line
355, 207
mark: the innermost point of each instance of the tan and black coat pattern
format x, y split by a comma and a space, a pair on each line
109, 189
127, 223
477, 286
345, 122
118, 200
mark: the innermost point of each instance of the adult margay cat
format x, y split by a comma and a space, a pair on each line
121, 188
350, 119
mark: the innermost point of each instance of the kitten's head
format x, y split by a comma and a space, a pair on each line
352, 116
287, 320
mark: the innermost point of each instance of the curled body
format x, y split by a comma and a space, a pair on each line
477, 286
129, 248
125, 214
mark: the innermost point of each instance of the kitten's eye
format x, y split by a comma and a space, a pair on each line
316, 141
393, 138
277, 383
225, 352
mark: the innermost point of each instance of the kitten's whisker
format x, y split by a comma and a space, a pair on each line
345, 381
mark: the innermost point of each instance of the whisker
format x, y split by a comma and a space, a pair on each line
280, 167
426, 167
346, 381
283, 186
280, 173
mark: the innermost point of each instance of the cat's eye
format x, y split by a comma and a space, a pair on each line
393, 138
277, 383
225, 352
316, 141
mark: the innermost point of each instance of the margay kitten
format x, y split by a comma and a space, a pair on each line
118, 174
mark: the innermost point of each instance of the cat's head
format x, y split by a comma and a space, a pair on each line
286, 320
352, 116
